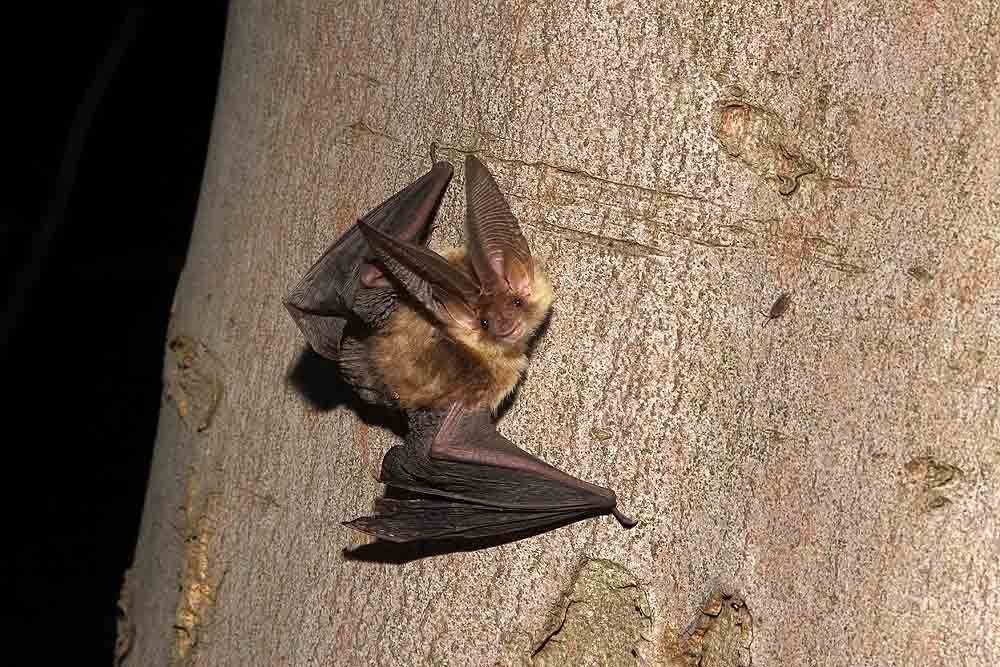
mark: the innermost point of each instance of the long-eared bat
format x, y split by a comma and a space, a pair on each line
443, 337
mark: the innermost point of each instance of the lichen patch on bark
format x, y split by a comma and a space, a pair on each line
197, 588
757, 138
720, 636
194, 381
601, 621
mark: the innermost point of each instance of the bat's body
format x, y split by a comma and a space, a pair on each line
443, 338
426, 365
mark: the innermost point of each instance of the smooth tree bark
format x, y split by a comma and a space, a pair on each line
820, 488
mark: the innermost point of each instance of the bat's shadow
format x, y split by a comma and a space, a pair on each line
398, 553
317, 380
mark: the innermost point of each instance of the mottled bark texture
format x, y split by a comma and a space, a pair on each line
822, 490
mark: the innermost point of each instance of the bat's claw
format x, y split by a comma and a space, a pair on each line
625, 521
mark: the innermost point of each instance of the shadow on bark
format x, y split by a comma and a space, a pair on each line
318, 381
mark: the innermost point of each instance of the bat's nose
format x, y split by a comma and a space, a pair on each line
506, 325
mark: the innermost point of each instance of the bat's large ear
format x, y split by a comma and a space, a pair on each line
497, 249
427, 276
412, 211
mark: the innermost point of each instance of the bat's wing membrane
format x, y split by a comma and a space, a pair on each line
476, 483
323, 301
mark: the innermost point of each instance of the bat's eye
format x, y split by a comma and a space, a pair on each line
484, 323
517, 302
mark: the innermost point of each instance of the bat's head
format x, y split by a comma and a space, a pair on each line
515, 295
491, 295
512, 316
504, 315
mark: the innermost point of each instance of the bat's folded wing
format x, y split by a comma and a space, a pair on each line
325, 299
475, 483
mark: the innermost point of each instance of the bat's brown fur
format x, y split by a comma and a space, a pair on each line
427, 365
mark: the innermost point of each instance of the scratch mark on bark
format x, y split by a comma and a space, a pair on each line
361, 127
843, 267
575, 171
619, 246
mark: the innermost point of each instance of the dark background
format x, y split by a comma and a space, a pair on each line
109, 114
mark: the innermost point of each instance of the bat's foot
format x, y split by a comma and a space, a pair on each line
625, 521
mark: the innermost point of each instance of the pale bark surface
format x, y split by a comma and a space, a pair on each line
825, 487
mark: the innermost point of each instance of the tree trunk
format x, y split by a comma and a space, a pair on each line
820, 488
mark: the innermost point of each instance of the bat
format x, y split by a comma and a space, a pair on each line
443, 337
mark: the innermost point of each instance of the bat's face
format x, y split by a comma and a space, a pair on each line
507, 315
511, 316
